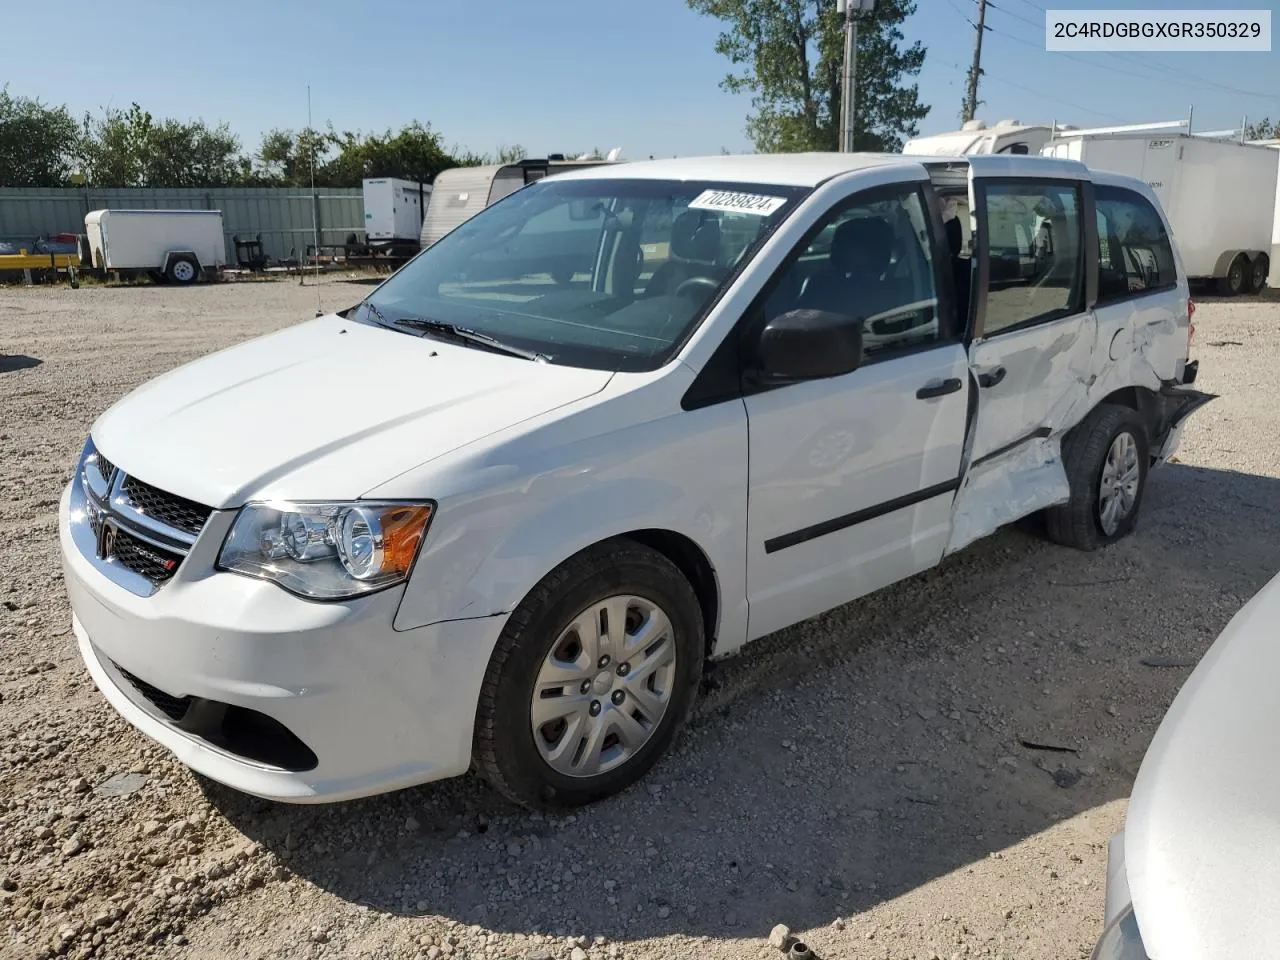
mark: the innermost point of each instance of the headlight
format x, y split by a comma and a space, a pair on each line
327, 551
1121, 940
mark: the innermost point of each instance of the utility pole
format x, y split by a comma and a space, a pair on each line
849, 83
971, 100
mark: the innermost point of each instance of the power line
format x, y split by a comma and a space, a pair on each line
1129, 73
1144, 64
962, 13
1018, 84
1016, 16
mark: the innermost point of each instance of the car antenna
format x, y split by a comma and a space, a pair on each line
315, 224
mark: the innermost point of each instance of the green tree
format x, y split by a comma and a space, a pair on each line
130, 148
37, 143
789, 55
1264, 129
415, 152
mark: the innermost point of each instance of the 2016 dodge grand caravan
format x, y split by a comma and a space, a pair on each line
499, 513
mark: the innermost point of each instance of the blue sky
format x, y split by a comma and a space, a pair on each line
561, 74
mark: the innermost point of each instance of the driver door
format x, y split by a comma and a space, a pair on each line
851, 478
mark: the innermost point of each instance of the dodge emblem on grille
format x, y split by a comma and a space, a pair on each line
106, 539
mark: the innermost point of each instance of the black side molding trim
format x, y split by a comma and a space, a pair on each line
860, 516
1037, 434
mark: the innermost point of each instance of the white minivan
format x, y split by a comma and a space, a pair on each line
498, 514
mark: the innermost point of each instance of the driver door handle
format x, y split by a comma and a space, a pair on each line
939, 388
991, 377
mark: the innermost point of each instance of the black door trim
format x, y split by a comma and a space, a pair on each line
859, 516
1040, 433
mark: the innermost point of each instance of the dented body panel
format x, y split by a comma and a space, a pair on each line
1053, 375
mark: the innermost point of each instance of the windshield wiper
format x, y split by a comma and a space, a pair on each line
449, 331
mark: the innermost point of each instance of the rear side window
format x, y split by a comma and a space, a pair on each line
1035, 251
1135, 255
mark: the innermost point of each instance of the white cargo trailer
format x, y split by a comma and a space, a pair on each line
1219, 194
393, 212
178, 246
462, 192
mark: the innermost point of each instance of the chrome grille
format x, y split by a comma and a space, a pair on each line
152, 562
168, 508
135, 534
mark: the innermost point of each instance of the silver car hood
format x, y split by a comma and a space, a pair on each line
1202, 836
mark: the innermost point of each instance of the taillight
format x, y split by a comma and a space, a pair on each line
1191, 325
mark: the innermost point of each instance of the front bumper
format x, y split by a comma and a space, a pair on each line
1121, 939
378, 708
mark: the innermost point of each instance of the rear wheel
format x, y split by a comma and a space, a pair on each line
1106, 458
1237, 279
1258, 271
591, 679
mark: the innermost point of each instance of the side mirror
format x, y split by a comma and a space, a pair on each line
809, 345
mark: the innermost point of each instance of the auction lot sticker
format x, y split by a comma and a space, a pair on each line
728, 201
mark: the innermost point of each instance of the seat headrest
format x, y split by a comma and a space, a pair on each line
870, 237
695, 235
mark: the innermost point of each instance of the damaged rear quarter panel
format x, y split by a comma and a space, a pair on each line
1056, 374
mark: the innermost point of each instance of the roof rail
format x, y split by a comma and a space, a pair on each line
1127, 128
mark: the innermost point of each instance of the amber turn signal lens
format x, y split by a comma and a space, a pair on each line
403, 528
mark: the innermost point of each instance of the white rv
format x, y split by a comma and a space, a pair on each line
1219, 194
975, 138
393, 213
462, 192
175, 246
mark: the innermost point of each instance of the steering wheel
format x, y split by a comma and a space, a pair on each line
691, 286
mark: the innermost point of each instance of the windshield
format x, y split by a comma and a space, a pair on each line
609, 274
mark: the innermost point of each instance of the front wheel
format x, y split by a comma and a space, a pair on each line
592, 677
1107, 458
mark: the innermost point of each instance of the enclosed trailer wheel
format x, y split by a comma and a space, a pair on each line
1237, 279
1258, 271
183, 270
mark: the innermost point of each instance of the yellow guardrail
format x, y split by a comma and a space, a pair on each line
38, 261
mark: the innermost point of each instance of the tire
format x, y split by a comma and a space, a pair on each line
553, 765
1258, 271
183, 271
1082, 522
1237, 279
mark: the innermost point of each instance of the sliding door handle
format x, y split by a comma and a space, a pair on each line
939, 388
991, 377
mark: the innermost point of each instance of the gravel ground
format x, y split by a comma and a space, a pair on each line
869, 778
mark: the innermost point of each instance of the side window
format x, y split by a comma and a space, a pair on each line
1135, 255
871, 259
1035, 245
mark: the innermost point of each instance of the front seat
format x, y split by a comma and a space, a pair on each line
695, 247
853, 281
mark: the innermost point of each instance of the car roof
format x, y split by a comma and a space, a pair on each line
791, 169
811, 169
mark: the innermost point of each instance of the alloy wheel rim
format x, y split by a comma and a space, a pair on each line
1118, 487
604, 686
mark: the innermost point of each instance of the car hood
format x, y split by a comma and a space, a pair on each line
1202, 836
327, 409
